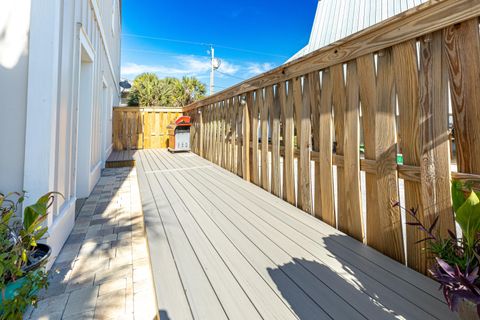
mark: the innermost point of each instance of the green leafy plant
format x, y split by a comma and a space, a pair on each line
21, 260
457, 259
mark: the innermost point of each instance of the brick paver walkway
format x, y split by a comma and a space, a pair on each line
103, 270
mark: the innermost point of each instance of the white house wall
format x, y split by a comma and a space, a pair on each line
14, 31
40, 99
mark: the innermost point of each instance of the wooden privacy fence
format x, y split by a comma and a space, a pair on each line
142, 128
390, 88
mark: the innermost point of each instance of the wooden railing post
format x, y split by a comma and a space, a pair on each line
246, 136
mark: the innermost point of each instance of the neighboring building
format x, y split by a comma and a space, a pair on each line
59, 75
337, 19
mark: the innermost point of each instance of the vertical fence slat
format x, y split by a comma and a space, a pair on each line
314, 82
406, 82
216, 131
223, 112
302, 114
327, 207
389, 227
233, 115
339, 105
256, 110
286, 106
463, 51
239, 117
264, 103
246, 136
228, 153
368, 98
435, 144
353, 205
275, 132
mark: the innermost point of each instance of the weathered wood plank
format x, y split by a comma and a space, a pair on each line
264, 106
352, 223
314, 80
246, 121
327, 204
462, 43
255, 111
406, 83
387, 232
368, 98
239, 117
339, 106
286, 106
303, 128
435, 153
275, 154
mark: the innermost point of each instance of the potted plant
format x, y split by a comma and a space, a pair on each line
457, 259
22, 258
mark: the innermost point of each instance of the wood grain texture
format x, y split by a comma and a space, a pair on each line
315, 97
239, 114
264, 106
463, 51
327, 204
233, 139
228, 119
388, 229
255, 115
246, 122
286, 106
407, 87
423, 19
303, 129
339, 101
142, 128
435, 157
352, 221
368, 98
275, 155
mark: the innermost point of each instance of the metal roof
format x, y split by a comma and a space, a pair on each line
337, 19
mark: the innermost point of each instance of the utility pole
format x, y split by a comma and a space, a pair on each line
212, 72
215, 65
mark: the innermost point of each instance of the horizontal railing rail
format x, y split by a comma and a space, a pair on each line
349, 129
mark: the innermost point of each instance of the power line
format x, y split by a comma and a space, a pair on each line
229, 75
202, 44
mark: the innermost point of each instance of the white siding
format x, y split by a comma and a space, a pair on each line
337, 19
41, 131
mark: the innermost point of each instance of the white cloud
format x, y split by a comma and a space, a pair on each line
258, 68
179, 66
184, 65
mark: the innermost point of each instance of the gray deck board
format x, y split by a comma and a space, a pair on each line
247, 254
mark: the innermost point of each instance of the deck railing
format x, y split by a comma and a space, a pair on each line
388, 90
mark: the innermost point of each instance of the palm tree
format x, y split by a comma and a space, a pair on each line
191, 89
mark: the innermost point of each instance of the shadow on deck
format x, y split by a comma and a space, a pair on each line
222, 248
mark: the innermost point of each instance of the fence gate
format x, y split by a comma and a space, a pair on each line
142, 128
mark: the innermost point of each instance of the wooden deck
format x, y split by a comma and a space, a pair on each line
121, 159
222, 248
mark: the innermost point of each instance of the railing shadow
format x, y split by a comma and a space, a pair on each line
356, 290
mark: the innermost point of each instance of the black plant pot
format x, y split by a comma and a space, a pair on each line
38, 258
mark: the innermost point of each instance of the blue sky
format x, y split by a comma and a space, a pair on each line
250, 37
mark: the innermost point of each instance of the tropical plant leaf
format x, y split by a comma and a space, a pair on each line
458, 196
468, 217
